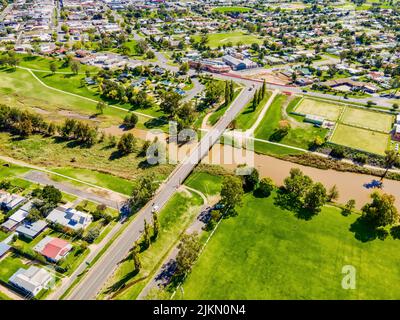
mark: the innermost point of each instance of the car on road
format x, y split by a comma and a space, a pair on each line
250, 88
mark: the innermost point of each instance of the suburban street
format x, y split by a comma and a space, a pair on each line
93, 282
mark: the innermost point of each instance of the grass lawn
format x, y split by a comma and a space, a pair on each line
43, 63
362, 139
9, 265
219, 39
50, 152
217, 114
231, 9
20, 89
271, 149
72, 83
90, 206
300, 135
248, 117
368, 119
4, 297
174, 219
329, 111
268, 253
98, 178
206, 183
3, 235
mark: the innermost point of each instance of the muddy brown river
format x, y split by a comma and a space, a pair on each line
350, 185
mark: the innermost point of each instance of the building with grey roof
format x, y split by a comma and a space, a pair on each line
32, 280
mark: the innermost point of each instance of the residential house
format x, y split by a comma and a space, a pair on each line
31, 230
53, 249
10, 201
4, 249
70, 218
31, 280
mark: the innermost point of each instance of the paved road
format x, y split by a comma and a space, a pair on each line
93, 282
42, 178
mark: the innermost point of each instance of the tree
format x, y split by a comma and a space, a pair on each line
170, 102
53, 67
250, 181
150, 55
296, 186
231, 193
392, 158
146, 234
34, 215
156, 226
136, 258
75, 67
100, 107
51, 194
265, 187
189, 249
143, 190
184, 68
333, 193
126, 143
130, 120
349, 206
213, 92
381, 211
263, 89
315, 198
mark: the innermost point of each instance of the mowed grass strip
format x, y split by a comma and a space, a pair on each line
372, 120
249, 116
268, 253
329, 111
361, 139
97, 178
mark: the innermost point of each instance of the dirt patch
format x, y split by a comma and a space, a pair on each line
40, 111
270, 76
70, 114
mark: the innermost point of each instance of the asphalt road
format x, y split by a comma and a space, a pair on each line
43, 178
93, 282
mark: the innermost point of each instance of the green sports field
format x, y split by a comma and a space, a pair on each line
327, 110
268, 253
231, 9
361, 139
368, 119
219, 39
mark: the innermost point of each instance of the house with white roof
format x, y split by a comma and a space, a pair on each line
18, 217
32, 280
70, 218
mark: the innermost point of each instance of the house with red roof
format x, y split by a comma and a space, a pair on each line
54, 249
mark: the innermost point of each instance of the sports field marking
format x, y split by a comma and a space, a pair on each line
375, 121
360, 139
327, 110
